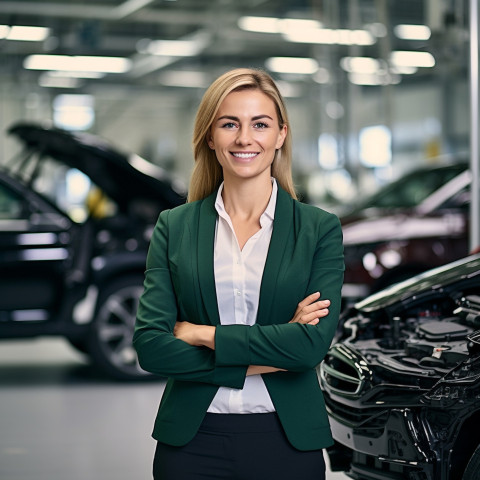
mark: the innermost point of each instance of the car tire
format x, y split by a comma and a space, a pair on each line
473, 466
110, 338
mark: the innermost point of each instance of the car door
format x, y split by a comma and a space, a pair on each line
35, 254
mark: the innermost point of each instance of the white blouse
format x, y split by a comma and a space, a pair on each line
238, 275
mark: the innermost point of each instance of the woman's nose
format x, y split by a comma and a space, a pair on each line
244, 136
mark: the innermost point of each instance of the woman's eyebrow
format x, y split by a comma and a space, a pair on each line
232, 117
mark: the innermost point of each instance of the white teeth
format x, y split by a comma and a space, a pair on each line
244, 155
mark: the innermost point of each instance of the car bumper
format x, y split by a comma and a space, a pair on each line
397, 451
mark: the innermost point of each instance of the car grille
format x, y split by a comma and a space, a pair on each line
344, 371
368, 421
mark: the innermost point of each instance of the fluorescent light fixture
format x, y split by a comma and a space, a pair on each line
288, 25
276, 25
292, 65
412, 32
24, 33
330, 36
4, 29
78, 63
305, 31
361, 65
173, 48
412, 59
259, 24
181, 78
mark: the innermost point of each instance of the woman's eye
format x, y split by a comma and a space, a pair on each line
261, 125
228, 125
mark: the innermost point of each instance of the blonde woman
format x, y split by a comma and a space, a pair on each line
241, 300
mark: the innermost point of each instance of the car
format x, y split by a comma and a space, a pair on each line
419, 222
76, 217
401, 380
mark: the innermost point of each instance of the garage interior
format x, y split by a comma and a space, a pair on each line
375, 90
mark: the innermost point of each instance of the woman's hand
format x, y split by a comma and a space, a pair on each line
259, 369
310, 310
196, 335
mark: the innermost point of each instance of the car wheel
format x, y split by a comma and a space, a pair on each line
473, 466
110, 339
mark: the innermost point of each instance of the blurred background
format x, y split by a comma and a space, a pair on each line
97, 103
374, 88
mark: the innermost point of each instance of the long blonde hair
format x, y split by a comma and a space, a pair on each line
207, 173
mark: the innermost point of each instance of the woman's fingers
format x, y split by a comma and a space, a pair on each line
309, 300
310, 310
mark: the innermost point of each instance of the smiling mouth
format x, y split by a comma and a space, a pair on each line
244, 155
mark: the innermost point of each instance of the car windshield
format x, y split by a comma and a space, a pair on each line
412, 189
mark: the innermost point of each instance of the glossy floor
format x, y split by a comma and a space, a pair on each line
61, 420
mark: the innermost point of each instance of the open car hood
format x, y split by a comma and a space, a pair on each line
437, 278
121, 176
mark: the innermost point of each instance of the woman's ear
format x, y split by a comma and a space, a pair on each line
210, 143
281, 137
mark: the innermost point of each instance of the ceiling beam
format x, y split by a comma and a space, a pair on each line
108, 13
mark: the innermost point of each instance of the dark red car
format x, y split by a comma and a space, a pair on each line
414, 224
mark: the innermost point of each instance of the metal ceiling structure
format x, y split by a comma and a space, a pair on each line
125, 28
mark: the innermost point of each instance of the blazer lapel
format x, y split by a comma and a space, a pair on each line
206, 238
282, 229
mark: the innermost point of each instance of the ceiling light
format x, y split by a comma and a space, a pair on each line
173, 48
412, 32
77, 63
276, 25
331, 36
287, 25
24, 33
292, 65
259, 24
412, 59
360, 64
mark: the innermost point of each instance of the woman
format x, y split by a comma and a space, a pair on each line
231, 311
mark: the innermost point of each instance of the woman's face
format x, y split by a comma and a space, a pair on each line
245, 134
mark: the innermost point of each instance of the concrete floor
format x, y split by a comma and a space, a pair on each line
62, 420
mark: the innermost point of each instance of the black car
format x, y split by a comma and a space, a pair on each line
402, 380
76, 217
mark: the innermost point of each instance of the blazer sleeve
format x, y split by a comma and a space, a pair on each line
292, 346
158, 351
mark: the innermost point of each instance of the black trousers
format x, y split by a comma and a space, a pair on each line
238, 447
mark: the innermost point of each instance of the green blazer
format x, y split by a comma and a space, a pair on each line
305, 256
